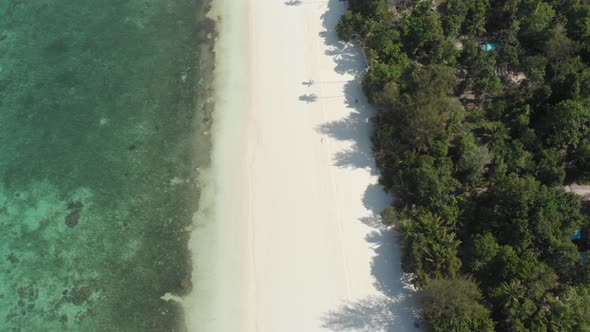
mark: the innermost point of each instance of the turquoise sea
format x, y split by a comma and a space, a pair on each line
103, 128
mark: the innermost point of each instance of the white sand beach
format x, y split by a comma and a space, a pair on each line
296, 236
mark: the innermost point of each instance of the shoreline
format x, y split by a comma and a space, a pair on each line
215, 235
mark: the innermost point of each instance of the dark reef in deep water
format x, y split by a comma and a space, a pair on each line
103, 122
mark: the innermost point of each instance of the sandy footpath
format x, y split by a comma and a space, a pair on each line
295, 242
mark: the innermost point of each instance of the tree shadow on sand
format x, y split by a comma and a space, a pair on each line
390, 311
370, 314
293, 3
375, 199
356, 128
308, 98
349, 58
392, 308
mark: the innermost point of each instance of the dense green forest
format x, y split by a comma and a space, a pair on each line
483, 113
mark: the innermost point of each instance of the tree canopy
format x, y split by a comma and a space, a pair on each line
476, 144
454, 305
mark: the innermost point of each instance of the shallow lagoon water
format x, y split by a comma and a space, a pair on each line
103, 126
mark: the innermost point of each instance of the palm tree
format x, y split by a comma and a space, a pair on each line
513, 293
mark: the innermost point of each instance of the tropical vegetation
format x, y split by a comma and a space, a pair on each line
482, 118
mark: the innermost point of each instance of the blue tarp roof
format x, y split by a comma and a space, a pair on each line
488, 46
577, 235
